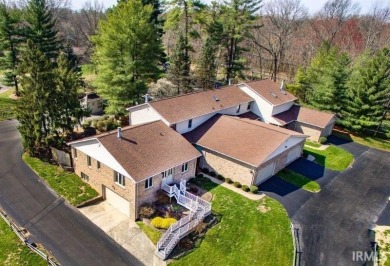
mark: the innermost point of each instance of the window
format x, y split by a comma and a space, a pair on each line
84, 176
100, 104
89, 161
249, 105
119, 179
238, 108
184, 167
149, 183
167, 173
97, 164
190, 123
74, 153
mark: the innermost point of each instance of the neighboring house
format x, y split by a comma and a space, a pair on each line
128, 166
276, 106
245, 150
92, 102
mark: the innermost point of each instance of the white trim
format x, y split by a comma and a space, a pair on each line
264, 97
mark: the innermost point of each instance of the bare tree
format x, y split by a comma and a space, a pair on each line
332, 17
280, 20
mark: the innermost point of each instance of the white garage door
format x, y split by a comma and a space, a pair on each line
293, 154
117, 201
264, 173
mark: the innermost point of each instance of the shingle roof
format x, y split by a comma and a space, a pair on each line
148, 149
270, 91
304, 115
192, 105
243, 139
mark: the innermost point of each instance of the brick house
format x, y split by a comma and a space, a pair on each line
128, 166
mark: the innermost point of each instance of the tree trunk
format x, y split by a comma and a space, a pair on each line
229, 67
186, 27
275, 70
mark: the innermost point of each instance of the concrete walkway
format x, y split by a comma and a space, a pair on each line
321, 148
237, 190
124, 231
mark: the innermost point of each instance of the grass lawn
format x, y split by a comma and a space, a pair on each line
66, 184
333, 157
248, 233
13, 251
7, 105
151, 232
312, 144
373, 142
299, 180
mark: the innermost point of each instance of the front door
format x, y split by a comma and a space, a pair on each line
168, 176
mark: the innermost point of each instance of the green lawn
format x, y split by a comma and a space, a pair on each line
7, 106
299, 180
66, 184
249, 232
373, 142
312, 144
13, 251
151, 232
333, 157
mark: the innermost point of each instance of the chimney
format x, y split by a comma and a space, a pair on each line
282, 86
230, 81
119, 133
146, 97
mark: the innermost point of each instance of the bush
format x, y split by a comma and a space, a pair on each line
254, 189
220, 177
163, 223
237, 184
101, 126
213, 174
146, 210
162, 198
228, 180
199, 176
205, 170
245, 188
323, 140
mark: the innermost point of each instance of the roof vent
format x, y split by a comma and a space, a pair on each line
215, 98
119, 135
274, 95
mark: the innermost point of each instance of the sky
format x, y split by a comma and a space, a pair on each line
312, 5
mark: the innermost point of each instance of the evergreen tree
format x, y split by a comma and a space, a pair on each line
206, 67
10, 45
32, 110
328, 73
302, 86
127, 51
369, 92
41, 28
179, 68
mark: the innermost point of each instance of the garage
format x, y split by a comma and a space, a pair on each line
293, 154
117, 201
264, 173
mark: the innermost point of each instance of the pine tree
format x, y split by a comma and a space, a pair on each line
41, 28
206, 67
179, 68
10, 44
127, 51
302, 86
33, 107
369, 92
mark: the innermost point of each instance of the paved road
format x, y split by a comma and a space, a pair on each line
61, 228
335, 221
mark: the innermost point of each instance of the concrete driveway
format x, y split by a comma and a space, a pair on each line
124, 231
334, 222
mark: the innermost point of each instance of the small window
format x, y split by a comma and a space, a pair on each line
249, 105
84, 176
184, 168
238, 108
190, 123
74, 153
167, 173
119, 179
89, 161
97, 164
149, 183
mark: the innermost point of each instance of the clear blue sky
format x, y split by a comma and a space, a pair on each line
313, 5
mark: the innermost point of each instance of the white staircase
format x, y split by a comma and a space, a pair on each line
199, 209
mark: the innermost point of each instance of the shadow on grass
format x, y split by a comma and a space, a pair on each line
320, 159
277, 186
204, 183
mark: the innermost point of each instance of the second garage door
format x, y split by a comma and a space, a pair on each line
265, 173
117, 201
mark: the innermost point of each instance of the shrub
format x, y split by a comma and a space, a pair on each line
254, 189
162, 198
323, 140
245, 188
213, 174
205, 170
220, 177
237, 184
199, 175
228, 180
146, 210
101, 126
163, 223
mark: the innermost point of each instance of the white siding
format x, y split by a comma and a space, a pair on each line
281, 108
182, 127
143, 114
290, 142
265, 173
293, 154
